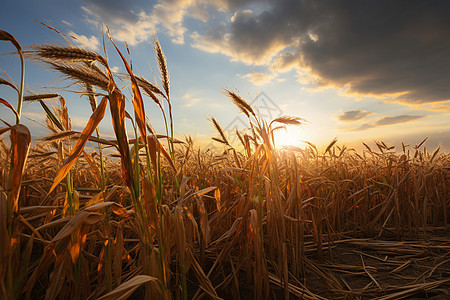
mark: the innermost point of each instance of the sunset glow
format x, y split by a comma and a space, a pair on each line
364, 89
289, 137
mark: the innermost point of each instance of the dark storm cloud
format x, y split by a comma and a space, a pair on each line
374, 47
231, 4
390, 121
353, 115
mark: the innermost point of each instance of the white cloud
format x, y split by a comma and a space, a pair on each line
198, 11
190, 100
258, 78
90, 43
133, 29
134, 23
171, 18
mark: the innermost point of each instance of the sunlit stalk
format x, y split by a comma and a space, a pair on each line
22, 81
70, 209
102, 167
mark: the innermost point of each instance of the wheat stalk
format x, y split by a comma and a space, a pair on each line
54, 52
240, 103
162, 63
40, 97
82, 73
145, 84
149, 89
220, 131
289, 120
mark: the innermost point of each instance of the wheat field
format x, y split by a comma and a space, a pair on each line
149, 216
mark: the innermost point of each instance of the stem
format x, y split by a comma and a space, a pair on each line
183, 282
8, 201
158, 196
108, 257
161, 253
171, 148
69, 194
22, 81
102, 167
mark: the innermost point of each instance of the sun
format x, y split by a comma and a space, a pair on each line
291, 136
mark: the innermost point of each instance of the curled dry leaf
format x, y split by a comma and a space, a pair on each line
180, 234
93, 122
217, 197
6, 82
127, 288
204, 223
150, 204
8, 105
5, 36
20, 144
118, 254
99, 202
138, 103
117, 107
155, 147
80, 218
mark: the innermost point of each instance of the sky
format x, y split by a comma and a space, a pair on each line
360, 71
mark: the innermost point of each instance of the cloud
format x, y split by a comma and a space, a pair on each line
33, 114
190, 100
232, 4
258, 78
137, 21
354, 115
284, 61
390, 121
397, 119
248, 39
372, 47
171, 17
125, 24
441, 107
364, 126
78, 122
90, 43
66, 23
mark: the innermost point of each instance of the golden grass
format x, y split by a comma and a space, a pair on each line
161, 221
